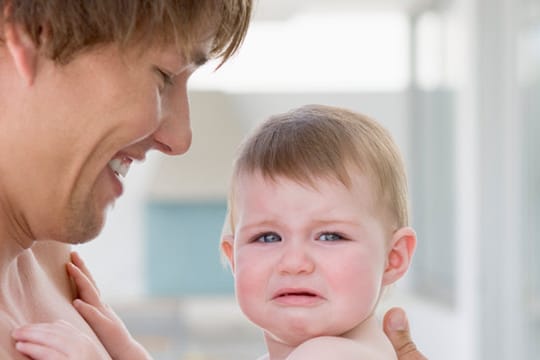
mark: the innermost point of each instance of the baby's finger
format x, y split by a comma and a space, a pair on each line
97, 320
78, 262
48, 335
85, 288
39, 352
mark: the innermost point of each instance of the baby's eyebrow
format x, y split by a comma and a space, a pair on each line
257, 224
330, 222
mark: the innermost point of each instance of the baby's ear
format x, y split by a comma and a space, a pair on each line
227, 249
399, 255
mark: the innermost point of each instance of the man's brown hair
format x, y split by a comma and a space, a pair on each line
61, 28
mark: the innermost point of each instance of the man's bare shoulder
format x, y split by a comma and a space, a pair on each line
334, 347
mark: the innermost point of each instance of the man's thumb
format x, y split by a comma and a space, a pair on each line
396, 327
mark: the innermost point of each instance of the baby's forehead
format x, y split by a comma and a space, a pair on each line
249, 185
352, 177
331, 202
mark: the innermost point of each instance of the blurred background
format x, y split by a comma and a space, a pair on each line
457, 82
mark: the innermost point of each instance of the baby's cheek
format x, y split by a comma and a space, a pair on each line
250, 295
360, 287
248, 284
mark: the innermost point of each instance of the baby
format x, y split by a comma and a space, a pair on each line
317, 228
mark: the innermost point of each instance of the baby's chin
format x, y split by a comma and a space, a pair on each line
294, 338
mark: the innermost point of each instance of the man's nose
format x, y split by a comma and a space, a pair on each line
173, 136
296, 259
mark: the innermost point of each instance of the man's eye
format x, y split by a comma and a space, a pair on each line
268, 238
166, 77
330, 237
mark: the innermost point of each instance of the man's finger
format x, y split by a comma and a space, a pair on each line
396, 327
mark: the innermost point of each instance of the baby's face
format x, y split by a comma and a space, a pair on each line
307, 261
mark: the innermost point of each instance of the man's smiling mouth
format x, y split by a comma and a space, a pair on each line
120, 166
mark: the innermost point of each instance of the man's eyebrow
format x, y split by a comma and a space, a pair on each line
200, 58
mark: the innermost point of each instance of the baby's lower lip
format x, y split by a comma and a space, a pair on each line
298, 299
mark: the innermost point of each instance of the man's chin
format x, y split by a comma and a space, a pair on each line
83, 232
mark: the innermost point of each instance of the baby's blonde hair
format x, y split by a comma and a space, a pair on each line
316, 141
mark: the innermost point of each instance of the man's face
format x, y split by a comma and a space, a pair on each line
80, 127
307, 261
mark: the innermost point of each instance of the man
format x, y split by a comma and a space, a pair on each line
86, 88
396, 327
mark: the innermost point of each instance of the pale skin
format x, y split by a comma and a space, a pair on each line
68, 123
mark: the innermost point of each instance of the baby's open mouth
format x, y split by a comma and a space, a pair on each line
297, 294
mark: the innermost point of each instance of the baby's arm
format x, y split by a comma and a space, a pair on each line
108, 327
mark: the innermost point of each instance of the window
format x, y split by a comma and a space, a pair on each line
530, 93
182, 249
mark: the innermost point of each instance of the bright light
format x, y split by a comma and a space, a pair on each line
316, 52
430, 51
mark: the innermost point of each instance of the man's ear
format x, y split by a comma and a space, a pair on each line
399, 255
22, 49
227, 249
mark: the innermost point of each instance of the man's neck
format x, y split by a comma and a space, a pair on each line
35, 288
41, 266
14, 239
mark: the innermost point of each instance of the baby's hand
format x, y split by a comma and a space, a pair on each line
58, 340
108, 327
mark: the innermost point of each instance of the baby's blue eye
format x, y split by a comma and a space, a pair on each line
268, 238
330, 237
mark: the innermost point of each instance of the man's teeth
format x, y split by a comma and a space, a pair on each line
120, 167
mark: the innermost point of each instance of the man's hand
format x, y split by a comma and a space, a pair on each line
396, 327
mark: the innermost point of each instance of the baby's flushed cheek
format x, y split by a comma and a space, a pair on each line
360, 279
